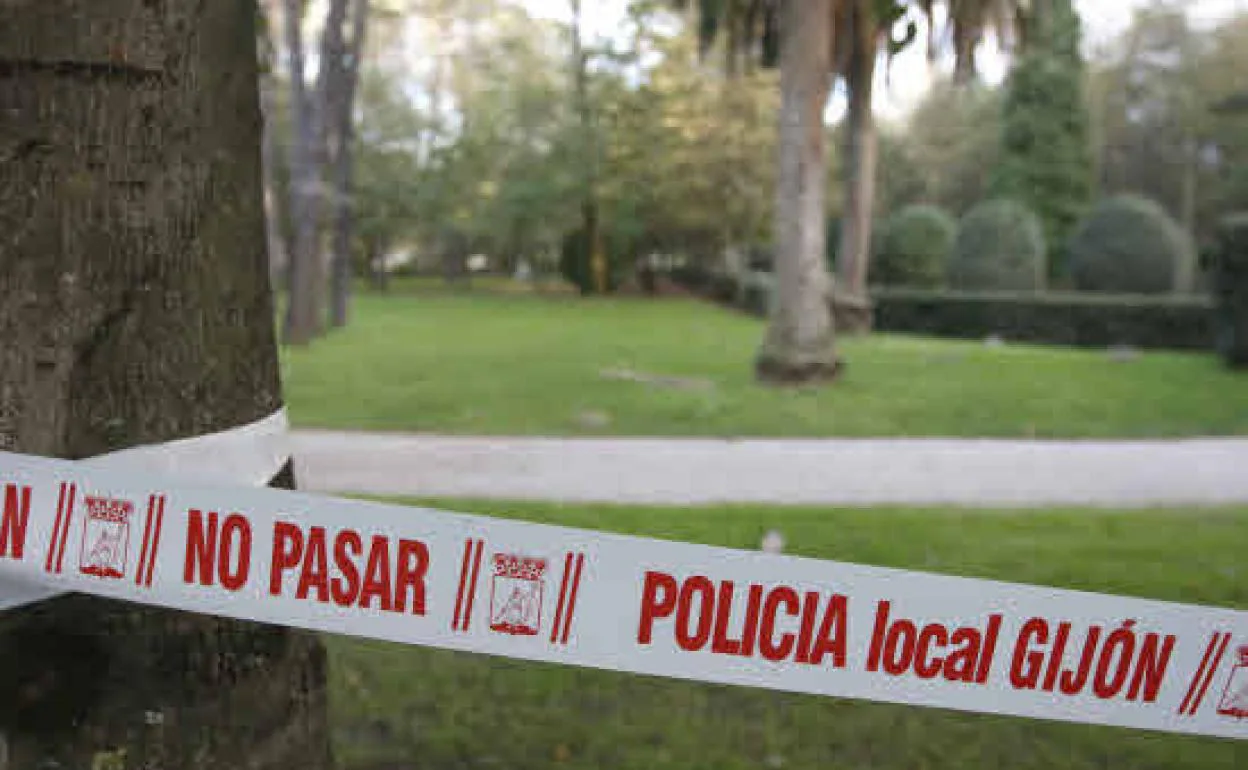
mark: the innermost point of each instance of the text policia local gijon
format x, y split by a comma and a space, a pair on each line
696, 613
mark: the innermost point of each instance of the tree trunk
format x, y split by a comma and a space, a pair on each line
303, 314
800, 344
377, 264
275, 212
275, 236
344, 104
1185, 271
854, 251
594, 253
138, 310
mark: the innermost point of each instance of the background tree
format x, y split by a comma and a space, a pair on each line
950, 142
1045, 159
864, 33
800, 341
341, 81
1150, 91
135, 240
304, 300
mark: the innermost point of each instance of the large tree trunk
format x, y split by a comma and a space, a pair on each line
800, 344
861, 145
137, 309
305, 300
347, 78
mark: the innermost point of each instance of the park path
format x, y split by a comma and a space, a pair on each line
977, 473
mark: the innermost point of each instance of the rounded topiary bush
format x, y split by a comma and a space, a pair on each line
1000, 246
913, 248
1129, 245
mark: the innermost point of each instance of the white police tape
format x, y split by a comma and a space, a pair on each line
250, 454
545, 593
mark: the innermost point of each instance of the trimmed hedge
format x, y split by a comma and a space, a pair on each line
1052, 318
1081, 320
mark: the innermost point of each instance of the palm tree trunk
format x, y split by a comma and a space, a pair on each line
133, 215
861, 147
800, 344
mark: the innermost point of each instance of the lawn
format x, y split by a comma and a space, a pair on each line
399, 707
494, 363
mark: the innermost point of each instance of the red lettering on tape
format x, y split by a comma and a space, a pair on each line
16, 517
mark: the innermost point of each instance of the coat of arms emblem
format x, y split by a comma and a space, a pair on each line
1234, 701
105, 537
516, 595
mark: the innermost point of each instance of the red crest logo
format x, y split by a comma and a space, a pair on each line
1234, 701
516, 595
105, 537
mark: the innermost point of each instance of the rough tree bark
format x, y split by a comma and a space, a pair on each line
800, 344
345, 80
304, 303
136, 308
861, 149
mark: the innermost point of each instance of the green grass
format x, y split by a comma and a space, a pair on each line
489, 363
397, 706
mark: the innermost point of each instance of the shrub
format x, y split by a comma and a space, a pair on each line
1231, 287
1072, 318
914, 247
1000, 246
1130, 245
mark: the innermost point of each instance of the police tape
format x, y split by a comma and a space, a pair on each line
251, 454
597, 600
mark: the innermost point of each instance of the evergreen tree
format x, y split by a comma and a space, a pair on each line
1045, 157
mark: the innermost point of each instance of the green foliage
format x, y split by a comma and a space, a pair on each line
687, 164
915, 247
1070, 318
1046, 160
947, 151
1000, 246
1231, 284
1128, 244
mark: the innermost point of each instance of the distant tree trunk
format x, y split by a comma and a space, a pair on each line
854, 252
275, 235
303, 314
594, 253
800, 344
348, 76
137, 309
275, 211
377, 264
1185, 271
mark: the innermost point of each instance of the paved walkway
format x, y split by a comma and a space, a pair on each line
849, 472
